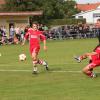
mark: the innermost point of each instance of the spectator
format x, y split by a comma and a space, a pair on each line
11, 34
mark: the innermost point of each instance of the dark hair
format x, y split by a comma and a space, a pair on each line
33, 23
98, 19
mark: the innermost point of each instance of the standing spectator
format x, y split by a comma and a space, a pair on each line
11, 34
97, 26
80, 30
4, 35
45, 28
22, 34
18, 33
41, 27
45, 31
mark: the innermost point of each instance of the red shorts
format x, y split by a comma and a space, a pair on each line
94, 64
34, 49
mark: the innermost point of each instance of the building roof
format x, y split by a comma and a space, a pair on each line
32, 13
97, 9
83, 12
86, 7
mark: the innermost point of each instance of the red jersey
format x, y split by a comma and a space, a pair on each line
34, 37
97, 50
96, 56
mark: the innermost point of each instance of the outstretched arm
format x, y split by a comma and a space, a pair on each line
43, 38
24, 41
26, 37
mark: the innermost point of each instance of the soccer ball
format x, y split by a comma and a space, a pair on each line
22, 57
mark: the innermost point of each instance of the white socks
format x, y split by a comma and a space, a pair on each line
35, 69
44, 63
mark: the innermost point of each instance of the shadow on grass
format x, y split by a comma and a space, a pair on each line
55, 69
98, 74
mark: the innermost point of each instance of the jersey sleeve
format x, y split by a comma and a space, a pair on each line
26, 35
98, 50
42, 37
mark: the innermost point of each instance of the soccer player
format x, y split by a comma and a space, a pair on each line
94, 61
34, 36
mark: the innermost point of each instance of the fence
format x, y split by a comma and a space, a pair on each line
70, 34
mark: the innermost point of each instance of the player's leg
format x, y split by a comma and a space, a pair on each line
88, 70
35, 62
35, 52
44, 63
40, 61
34, 55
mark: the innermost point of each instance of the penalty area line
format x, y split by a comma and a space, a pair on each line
56, 71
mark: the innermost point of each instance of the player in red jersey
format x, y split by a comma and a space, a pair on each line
34, 36
94, 61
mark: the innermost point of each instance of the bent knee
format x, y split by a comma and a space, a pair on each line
34, 57
85, 69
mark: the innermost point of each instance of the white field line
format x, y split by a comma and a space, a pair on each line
49, 64
21, 70
12, 70
56, 71
66, 71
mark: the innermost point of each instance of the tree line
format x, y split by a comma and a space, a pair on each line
52, 9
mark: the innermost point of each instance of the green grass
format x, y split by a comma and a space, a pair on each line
48, 85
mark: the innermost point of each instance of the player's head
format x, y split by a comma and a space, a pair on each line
35, 26
98, 20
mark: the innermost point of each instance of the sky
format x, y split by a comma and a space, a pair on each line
87, 1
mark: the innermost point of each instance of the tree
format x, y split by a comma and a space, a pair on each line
53, 9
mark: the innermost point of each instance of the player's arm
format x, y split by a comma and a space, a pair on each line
24, 41
25, 38
43, 38
91, 54
45, 47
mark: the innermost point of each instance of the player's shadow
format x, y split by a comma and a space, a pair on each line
98, 74
55, 69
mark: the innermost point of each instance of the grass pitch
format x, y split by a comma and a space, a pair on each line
64, 81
